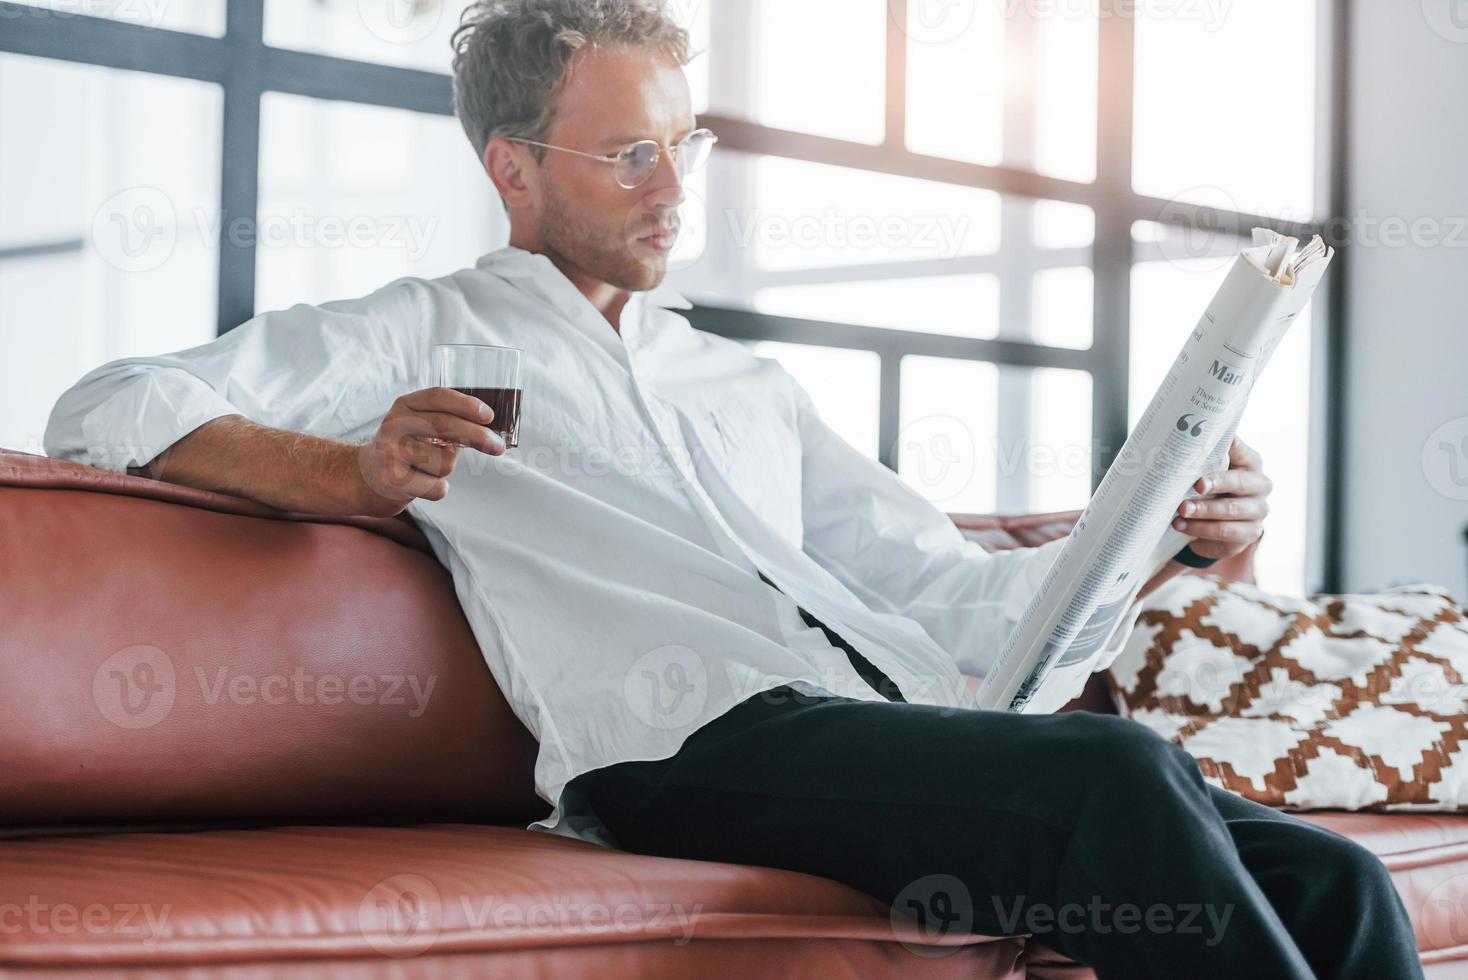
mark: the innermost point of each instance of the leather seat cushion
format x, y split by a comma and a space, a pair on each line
316, 897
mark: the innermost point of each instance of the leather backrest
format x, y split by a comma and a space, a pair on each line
175, 656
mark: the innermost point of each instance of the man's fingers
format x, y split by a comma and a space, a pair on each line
1230, 532
1242, 483
1226, 509
433, 459
447, 401
1242, 454
400, 481
449, 428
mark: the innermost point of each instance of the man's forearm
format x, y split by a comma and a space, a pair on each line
286, 470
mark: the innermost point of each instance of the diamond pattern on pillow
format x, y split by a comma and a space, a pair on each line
1352, 701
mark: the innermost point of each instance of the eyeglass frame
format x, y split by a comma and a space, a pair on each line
616, 158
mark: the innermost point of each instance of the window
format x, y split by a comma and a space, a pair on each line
973, 224
341, 211
975, 232
108, 224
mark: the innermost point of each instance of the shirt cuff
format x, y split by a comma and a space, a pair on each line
144, 419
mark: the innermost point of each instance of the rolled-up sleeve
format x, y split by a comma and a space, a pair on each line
325, 370
901, 554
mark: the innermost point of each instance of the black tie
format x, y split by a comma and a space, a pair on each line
869, 671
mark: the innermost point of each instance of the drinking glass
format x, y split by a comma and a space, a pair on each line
491, 374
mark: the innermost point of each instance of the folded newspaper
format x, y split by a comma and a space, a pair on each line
1084, 606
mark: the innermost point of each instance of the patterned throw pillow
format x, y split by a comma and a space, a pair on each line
1353, 702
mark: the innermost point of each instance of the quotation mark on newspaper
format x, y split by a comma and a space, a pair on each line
1183, 425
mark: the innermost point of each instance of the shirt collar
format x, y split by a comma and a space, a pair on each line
539, 275
516, 263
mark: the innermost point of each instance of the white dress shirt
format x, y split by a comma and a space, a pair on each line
609, 566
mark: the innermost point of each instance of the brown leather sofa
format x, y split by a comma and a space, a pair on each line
239, 743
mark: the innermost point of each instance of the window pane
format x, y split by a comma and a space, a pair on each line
1060, 224
1058, 459
984, 438
809, 215
695, 16
1063, 308
1067, 47
955, 80
195, 16
844, 384
353, 197
1168, 298
814, 66
109, 201
1246, 142
949, 430
966, 306
408, 33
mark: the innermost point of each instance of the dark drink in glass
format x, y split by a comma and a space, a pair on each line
491, 374
505, 403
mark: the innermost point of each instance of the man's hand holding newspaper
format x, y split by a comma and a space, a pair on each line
1165, 473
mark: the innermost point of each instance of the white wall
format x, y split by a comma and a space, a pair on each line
1406, 493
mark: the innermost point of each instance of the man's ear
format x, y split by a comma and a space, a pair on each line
508, 166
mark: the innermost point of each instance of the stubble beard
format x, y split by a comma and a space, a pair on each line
608, 256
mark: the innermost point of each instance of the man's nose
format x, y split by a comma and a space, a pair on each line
665, 187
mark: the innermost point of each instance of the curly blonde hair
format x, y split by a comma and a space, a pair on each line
511, 56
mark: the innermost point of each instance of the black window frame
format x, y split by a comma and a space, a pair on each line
246, 68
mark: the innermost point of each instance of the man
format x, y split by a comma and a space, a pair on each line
735, 637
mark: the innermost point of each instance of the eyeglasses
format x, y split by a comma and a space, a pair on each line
636, 164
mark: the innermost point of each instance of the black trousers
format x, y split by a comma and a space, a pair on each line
1089, 831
